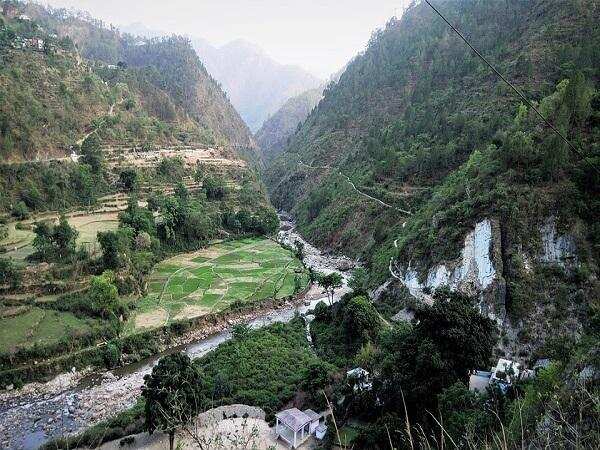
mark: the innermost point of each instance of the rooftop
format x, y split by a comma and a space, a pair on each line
312, 415
293, 418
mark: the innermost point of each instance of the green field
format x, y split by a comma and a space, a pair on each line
37, 325
18, 243
198, 283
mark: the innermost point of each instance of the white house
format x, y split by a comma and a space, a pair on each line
25, 18
502, 375
506, 371
295, 426
74, 156
321, 431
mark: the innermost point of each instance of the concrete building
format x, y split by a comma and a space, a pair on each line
295, 427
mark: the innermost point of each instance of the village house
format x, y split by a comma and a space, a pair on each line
502, 375
35, 44
295, 427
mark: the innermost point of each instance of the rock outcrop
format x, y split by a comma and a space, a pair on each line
556, 248
478, 272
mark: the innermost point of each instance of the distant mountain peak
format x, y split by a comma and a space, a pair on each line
256, 84
242, 44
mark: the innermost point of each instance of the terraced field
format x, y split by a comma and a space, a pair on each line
209, 280
26, 327
18, 244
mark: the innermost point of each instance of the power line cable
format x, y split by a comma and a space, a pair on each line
516, 90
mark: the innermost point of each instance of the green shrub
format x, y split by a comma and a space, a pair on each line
20, 211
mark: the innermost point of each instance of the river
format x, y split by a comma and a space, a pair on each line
73, 402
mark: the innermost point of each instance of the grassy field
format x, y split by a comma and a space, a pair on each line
198, 283
18, 243
38, 325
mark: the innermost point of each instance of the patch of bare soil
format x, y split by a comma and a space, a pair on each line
191, 311
151, 319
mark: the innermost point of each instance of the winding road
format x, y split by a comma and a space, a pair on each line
351, 183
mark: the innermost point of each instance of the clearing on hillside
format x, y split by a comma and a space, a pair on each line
211, 279
18, 243
30, 326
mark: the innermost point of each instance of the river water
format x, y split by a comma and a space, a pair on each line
72, 402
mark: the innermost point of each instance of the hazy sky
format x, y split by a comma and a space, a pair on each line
319, 35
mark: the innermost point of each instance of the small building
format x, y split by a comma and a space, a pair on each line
479, 381
35, 44
74, 156
315, 419
502, 375
506, 371
321, 431
25, 18
295, 426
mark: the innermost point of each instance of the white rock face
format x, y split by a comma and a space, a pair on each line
556, 249
477, 260
438, 276
475, 269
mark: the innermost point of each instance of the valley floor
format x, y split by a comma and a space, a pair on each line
74, 402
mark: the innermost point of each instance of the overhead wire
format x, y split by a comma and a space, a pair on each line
570, 145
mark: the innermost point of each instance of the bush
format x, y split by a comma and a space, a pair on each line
20, 211
54, 242
10, 274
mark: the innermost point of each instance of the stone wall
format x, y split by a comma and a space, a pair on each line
214, 416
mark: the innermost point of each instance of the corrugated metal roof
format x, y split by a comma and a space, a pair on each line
293, 418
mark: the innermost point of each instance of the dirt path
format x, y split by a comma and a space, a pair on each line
111, 112
358, 191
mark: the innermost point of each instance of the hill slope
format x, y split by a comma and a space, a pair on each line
257, 85
52, 94
419, 142
273, 135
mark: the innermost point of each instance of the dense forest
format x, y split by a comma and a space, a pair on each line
273, 136
419, 122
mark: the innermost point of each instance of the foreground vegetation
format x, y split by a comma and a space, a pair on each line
262, 367
419, 396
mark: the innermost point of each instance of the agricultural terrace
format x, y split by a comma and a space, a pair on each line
18, 244
211, 279
26, 326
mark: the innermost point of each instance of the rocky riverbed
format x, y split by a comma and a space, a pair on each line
77, 400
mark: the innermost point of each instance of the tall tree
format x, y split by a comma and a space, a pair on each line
173, 395
330, 283
449, 339
91, 153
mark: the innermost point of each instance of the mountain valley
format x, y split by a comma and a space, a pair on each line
203, 248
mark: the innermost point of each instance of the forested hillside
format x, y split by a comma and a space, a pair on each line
273, 135
62, 74
419, 123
